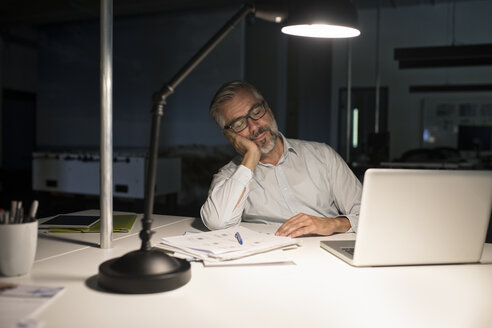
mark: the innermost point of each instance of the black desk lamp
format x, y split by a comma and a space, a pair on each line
150, 271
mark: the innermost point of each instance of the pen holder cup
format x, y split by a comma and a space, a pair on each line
18, 244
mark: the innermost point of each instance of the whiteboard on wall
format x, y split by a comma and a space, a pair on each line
442, 117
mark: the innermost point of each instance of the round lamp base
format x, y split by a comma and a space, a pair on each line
144, 272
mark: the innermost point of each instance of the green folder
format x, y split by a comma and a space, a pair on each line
121, 223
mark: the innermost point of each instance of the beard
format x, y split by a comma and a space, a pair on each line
268, 145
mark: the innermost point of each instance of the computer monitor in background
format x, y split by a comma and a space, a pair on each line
475, 137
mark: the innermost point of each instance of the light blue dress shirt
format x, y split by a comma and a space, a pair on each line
309, 178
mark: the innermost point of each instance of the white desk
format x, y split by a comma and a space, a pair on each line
319, 291
57, 244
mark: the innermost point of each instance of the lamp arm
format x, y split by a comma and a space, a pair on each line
159, 100
169, 88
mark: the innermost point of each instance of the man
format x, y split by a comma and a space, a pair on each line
305, 185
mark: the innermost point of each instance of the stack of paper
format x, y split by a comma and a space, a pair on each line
19, 304
221, 245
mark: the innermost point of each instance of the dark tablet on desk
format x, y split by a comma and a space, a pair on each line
70, 221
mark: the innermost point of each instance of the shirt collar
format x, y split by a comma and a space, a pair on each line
288, 148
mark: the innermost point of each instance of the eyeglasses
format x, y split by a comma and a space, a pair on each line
241, 123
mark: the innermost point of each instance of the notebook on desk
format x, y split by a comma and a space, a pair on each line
411, 217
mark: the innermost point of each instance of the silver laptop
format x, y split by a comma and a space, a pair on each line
410, 217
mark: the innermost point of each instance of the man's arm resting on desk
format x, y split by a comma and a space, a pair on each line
227, 196
225, 202
304, 224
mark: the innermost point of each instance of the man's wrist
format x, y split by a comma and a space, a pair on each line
342, 224
251, 159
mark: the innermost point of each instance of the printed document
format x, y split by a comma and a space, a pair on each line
220, 245
19, 304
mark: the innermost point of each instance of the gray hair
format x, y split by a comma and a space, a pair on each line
225, 93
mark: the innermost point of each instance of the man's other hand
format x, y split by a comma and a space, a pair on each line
304, 224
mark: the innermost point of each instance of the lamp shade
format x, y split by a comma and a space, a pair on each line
322, 19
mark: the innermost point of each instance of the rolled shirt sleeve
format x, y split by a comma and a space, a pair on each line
347, 190
221, 209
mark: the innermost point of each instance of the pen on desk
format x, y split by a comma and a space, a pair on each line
16, 213
19, 213
13, 211
33, 210
238, 237
6, 217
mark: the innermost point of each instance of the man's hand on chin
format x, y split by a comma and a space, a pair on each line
244, 147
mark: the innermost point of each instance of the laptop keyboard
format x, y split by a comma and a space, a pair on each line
349, 250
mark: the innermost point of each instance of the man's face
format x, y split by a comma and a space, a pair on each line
263, 131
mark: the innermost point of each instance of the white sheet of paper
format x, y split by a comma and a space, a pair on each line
223, 245
275, 257
19, 303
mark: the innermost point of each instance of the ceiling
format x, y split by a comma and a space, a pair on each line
39, 12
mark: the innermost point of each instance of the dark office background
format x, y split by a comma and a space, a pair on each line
49, 69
